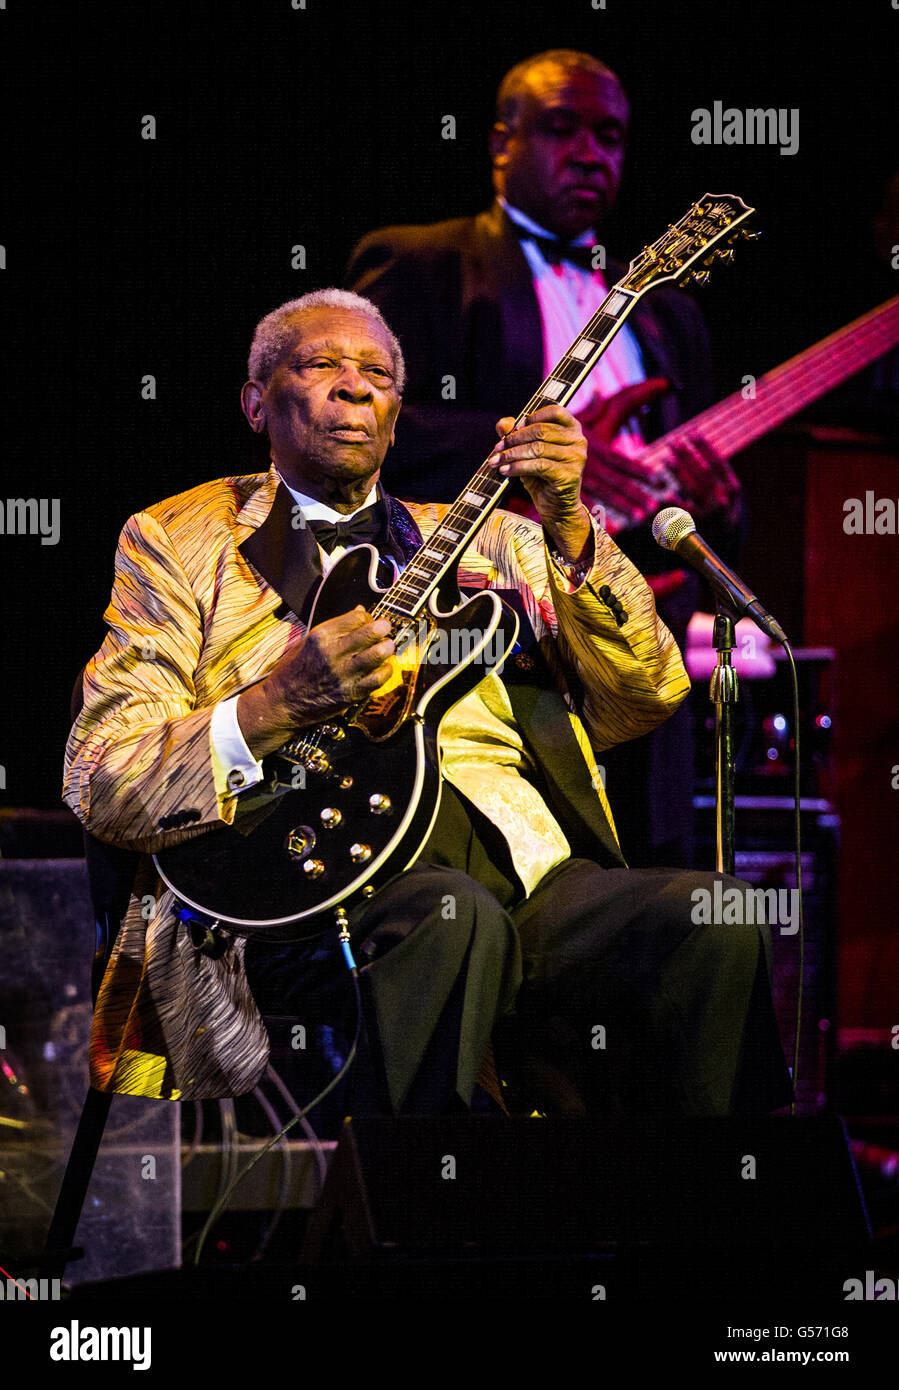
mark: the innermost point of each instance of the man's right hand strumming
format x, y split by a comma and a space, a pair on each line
331, 666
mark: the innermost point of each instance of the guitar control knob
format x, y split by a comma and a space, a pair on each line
360, 854
313, 868
331, 817
379, 804
300, 840
345, 783
317, 762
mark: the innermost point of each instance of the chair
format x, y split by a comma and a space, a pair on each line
110, 874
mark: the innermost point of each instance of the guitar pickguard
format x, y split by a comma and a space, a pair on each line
443, 657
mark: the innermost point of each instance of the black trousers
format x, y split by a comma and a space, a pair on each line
599, 991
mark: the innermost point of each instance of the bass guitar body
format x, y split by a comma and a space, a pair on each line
350, 803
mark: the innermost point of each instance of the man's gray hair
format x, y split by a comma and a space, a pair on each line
274, 333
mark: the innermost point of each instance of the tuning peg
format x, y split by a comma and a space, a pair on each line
749, 236
701, 277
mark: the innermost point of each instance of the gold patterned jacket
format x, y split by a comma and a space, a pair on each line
191, 622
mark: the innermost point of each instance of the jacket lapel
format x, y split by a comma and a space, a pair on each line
405, 537
509, 285
287, 556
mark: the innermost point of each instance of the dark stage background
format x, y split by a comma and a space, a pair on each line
279, 126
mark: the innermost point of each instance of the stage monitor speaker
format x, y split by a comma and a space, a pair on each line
500, 1186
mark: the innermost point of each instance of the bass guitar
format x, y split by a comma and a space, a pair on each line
747, 415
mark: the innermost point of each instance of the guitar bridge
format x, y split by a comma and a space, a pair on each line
305, 755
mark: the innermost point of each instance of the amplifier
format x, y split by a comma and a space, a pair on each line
764, 736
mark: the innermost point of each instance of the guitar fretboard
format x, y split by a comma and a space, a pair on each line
468, 512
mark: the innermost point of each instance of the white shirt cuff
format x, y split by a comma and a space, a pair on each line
234, 766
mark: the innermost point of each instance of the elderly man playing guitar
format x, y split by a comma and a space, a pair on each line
285, 752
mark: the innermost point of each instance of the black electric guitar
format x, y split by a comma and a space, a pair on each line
351, 802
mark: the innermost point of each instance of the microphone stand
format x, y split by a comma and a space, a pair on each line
724, 693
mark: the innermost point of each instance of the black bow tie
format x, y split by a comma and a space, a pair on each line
554, 251
367, 525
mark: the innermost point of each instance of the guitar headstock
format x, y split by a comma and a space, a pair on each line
707, 232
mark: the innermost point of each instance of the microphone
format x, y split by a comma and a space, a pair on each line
675, 529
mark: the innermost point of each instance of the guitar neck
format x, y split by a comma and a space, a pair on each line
469, 511
710, 224
736, 421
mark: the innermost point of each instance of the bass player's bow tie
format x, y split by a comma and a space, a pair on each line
554, 252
